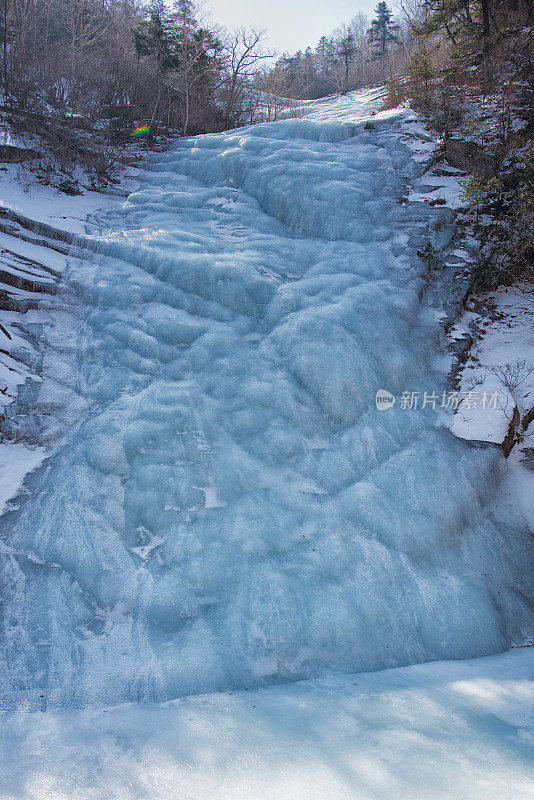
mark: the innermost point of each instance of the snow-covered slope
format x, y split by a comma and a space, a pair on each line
227, 506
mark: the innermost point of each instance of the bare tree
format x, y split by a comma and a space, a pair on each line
243, 51
274, 97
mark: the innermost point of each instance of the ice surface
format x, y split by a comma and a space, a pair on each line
440, 731
228, 507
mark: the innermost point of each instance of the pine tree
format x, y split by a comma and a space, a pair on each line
309, 66
325, 55
4, 27
420, 65
429, 256
346, 52
467, 24
383, 31
526, 187
156, 36
481, 192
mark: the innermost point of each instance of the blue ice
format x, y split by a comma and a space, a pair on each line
223, 505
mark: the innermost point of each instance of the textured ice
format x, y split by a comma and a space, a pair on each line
226, 506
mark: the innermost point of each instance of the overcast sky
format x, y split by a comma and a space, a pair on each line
291, 25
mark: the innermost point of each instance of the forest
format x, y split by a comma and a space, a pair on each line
123, 60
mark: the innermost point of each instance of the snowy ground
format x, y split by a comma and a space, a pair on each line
500, 363
498, 374
456, 730
497, 378
440, 186
20, 192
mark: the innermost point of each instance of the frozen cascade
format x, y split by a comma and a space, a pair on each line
226, 506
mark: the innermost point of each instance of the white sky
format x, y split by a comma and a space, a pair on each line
291, 25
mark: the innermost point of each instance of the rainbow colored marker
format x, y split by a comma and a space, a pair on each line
142, 130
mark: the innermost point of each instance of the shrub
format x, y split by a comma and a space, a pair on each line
68, 186
480, 192
394, 95
103, 165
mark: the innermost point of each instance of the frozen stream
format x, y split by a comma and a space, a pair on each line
227, 507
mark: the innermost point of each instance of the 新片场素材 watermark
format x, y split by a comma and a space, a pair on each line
448, 400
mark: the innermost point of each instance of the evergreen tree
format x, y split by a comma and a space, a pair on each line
346, 52
4, 28
156, 36
420, 68
465, 23
383, 31
429, 256
309, 66
325, 55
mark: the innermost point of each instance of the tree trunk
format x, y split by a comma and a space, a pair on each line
485, 18
6, 85
186, 120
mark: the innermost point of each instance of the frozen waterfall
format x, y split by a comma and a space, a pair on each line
225, 506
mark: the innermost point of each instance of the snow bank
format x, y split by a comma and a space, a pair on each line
20, 192
502, 357
16, 461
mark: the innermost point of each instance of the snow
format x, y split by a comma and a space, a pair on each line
12, 373
223, 505
343, 108
12, 249
460, 729
20, 192
16, 461
47, 204
507, 338
521, 476
443, 188
504, 335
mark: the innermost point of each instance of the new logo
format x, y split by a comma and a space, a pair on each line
384, 400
